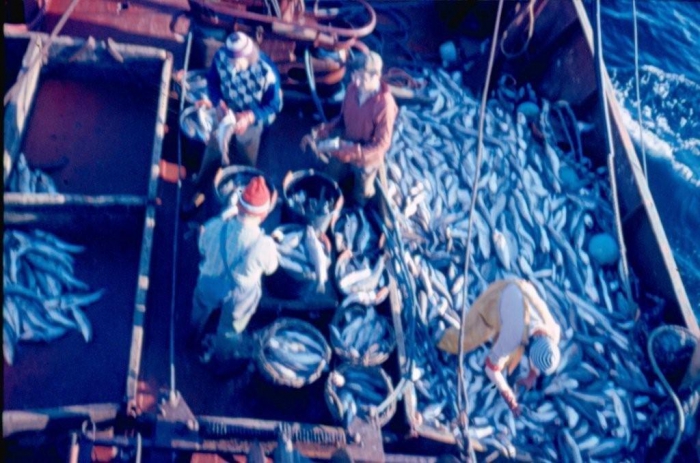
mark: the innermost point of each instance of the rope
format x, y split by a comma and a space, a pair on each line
667, 386
636, 85
530, 31
463, 401
176, 229
312, 84
599, 68
56, 30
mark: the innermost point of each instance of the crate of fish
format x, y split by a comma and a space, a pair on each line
356, 391
292, 353
311, 198
232, 179
361, 336
304, 260
362, 278
68, 301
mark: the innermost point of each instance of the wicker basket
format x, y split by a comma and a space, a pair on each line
366, 359
363, 411
271, 373
340, 266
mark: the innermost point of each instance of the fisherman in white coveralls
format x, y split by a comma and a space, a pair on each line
235, 254
514, 317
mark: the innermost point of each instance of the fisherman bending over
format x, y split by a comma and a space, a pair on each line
368, 116
245, 84
235, 253
512, 314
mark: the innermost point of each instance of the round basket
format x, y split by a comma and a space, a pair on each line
356, 219
286, 283
196, 123
364, 355
197, 86
346, 260
233, 178
364, 410
317, 186
270, 369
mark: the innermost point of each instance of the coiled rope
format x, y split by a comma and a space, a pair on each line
462, 398
667, 386
636, 85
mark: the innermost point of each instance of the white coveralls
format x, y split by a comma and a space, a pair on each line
234, 258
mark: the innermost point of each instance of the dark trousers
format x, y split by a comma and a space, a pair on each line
361, 179
245, 152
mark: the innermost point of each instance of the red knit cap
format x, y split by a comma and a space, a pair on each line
255, 199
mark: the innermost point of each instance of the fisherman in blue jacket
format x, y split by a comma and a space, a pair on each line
244, 86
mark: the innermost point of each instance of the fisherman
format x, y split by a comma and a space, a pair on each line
244, 85
512, 314
367, 116
235, 254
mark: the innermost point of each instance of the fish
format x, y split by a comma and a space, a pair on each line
524, 225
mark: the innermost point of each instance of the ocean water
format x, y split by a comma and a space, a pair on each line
669, 72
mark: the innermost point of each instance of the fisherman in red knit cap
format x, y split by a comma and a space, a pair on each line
235, 254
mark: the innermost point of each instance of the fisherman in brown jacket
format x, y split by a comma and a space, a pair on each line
367, 121
512, 314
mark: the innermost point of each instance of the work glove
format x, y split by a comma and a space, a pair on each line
509, 397
244, 119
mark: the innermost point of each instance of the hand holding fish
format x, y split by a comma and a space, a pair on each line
348, 152
512, 402
244, 119
529, 380
204, 103
308, 140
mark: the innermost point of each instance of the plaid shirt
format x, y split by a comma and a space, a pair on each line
257, 88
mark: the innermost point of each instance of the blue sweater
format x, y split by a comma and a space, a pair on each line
257, 88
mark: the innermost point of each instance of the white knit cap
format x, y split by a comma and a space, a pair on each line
240, 45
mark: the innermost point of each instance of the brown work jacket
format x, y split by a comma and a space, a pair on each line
483, 322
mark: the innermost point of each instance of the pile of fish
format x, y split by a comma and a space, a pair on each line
360, 390
360, 335
43, 300
303, 254
23, 179
539, 201
295, 351
357, 274
354, 231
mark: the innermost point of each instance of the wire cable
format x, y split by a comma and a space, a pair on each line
463, 400
600, 75
636, 86
176, 230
